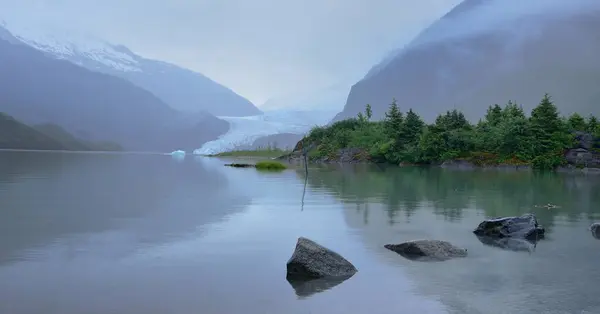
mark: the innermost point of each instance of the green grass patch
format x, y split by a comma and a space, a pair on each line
270, 152
270, 165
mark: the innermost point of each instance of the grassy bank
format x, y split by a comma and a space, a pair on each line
270, 165
506, 135
262, 153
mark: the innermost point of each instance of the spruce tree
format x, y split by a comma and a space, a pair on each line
592, 125
547, 128
577, 123
512, 110
368, 112
412, 128
393, 120
493, 115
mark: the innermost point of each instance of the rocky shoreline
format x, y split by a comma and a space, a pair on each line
582, 158
591, 163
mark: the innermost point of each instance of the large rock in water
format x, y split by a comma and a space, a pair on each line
424, 250
524, 227
311, 261
595, 229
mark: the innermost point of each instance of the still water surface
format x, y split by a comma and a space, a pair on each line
145, 234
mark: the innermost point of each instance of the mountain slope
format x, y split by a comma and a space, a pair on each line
182, 89
489, 51
16, 135
73, 143
36, 89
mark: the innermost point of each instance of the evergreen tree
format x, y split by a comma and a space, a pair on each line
593, 126
577, 123
545, 123
550, 136
412, 128
512, 110
361, 117
493, 115
393, 121
368, 112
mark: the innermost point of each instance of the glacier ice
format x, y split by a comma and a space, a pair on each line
245, 130
178, 154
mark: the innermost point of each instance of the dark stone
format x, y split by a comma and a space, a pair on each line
584, 140
595, 229
509, 244
427, 250
306, 288
311, 261
580, 156
352, 155
523, 227
240, 165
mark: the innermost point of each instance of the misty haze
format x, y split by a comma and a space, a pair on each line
398, 156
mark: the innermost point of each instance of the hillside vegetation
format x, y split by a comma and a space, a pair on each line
506, 135
17, 135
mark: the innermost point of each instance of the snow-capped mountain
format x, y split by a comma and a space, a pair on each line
244, 131
38, 88
182, 89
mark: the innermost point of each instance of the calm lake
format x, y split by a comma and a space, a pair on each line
148, 234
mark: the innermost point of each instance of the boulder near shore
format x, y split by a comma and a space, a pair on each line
310, 260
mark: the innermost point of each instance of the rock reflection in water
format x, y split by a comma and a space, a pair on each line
510, 244
306, 288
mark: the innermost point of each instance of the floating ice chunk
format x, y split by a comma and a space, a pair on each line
178, 154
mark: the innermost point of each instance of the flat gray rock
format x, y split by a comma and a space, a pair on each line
427, 250
311, 260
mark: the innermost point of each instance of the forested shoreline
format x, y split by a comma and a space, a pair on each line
506, 135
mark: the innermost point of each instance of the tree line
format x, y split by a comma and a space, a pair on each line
505, 135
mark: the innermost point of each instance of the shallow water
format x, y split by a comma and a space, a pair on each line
84, 233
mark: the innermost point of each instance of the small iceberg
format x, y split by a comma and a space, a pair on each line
178, 154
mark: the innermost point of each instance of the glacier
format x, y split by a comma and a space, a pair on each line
243, 131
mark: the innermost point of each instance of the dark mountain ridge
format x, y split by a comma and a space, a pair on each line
471, 58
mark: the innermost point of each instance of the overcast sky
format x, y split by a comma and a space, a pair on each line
259, 48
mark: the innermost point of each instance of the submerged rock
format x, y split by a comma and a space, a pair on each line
311, 261
524, 227
595, 229
510, 244
434, 250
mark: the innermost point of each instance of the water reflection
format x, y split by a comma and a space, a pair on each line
58, 197
449, 192
511, 244
402, 204
306, 288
